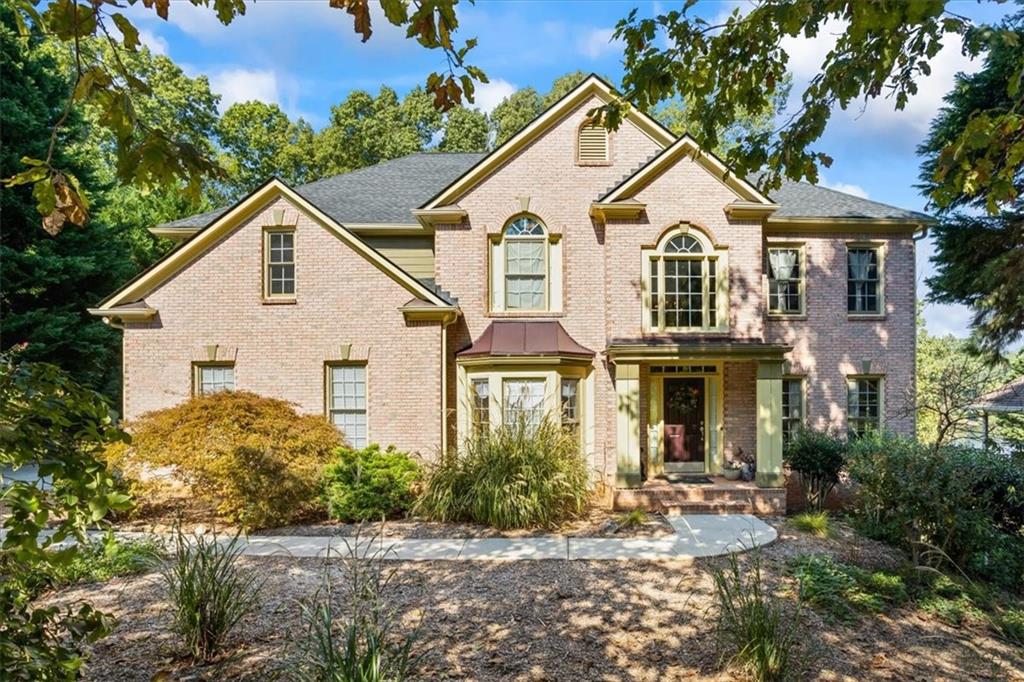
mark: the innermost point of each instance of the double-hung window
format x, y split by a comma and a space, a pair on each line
346, 385
683, 282
864, 282
864, 405
570, 405
785, 281
792, 408
213, 377
481, 397
525, 265
279, 264
523, 401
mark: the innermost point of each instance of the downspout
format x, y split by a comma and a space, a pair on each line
445, 323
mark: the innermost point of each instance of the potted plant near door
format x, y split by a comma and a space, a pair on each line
731, 471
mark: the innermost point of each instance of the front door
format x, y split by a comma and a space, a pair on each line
684, 424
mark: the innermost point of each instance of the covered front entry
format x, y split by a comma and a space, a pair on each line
683, 417
672, 413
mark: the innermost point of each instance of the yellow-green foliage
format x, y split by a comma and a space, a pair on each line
254, 458
815, 523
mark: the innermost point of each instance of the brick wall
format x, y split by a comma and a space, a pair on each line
828, 345
560, 193
280, 350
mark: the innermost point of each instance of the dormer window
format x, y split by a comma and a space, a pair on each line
525, 268
686, 284
592, 145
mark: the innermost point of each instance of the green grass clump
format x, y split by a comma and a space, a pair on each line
1009, 623
517, 475
815, 523
632, 519
209, 592
103, 560
951, 610
755, 630
844, 591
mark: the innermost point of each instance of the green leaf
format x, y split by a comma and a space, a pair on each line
129, 33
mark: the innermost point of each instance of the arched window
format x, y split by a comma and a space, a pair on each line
524, 258
684, 281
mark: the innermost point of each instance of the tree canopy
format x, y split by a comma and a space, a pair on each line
979, 258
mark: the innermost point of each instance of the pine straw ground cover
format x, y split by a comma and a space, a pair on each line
559, 620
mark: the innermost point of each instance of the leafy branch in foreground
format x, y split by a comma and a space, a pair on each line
149, 155
881, 49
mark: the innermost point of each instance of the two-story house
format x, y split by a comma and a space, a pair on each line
625, 282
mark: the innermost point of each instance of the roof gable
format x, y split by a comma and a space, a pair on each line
207, 238
592, 86
683, 146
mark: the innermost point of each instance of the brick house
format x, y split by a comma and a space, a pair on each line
624, 282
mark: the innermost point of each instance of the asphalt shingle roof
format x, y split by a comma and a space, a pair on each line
388, 191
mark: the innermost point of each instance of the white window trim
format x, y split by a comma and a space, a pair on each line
497, 296
329, 393
881, 251
710, 253
802, 257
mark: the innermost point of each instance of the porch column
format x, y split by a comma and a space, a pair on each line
627, 425
769, 424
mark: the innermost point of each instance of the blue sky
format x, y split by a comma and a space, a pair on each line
305, 56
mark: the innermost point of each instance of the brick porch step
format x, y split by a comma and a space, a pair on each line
721, 497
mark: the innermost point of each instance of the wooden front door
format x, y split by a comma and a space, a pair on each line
684, 423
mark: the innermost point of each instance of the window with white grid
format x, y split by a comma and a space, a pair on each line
214, 378
864, 405
523, 399
347, 385
279, 252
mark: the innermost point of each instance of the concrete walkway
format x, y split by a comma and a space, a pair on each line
696, 536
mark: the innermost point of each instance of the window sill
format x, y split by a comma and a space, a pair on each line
593, 163
867, 317
796, 317
531, 313
280, 301
715, 331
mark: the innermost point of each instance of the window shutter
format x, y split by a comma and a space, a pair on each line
593, 144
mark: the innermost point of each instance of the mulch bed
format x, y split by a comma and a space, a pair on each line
552, 620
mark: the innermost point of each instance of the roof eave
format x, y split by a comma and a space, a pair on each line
623, 210
750, 210
441, 215
783, 224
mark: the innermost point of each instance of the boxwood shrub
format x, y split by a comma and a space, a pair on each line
369, 484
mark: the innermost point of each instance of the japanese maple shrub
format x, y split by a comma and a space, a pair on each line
254, 458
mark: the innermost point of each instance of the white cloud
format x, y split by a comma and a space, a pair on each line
845, 187
490, 95
598, 42
922, 107
155, 43
242, 85
806, 55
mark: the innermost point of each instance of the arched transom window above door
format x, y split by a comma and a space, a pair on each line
686, 283
526, 268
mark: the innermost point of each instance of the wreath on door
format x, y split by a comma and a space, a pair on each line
684, 398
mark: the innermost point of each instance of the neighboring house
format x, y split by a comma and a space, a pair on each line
626, 282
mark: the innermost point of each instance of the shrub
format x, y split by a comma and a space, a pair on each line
631, 519
844, 591
49, 422
753, 625
953, 611
816, 458
955, 504
815, 523
1010, 624
511, 476
363, 643
99, 561
208, 591
254, 458
368, 484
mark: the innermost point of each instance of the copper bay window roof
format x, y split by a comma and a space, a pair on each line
524, 339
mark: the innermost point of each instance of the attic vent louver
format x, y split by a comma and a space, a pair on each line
593, 144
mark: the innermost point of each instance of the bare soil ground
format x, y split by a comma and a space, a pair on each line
555, 620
